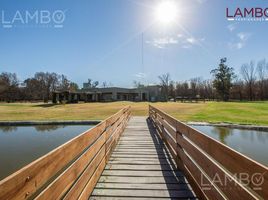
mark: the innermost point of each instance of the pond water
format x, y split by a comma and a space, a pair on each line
251, 143
20, 145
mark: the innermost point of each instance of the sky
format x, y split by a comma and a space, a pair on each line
119, 41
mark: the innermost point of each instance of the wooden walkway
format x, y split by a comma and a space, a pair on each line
141, 167
136, 159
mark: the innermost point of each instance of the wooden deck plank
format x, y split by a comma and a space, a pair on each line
143, 173
137, 179
134, 198
143, 193
159, 186
141, 167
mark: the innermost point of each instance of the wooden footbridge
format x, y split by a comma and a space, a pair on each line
127, 157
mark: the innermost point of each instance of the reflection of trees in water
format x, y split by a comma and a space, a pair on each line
262, 137
7, 129
40, 128
50, 127
222, 132
254, 135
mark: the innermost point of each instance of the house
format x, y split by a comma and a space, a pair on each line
87, 94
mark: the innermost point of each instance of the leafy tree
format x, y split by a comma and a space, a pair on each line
223, 76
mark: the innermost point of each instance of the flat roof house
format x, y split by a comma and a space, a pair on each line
148, 93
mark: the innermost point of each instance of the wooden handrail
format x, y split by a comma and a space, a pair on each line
214, 170
71, 170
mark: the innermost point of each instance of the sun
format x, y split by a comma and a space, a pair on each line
166, 12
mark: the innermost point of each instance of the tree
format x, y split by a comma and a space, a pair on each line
138, 84
33, 89
261, 70
248, 73
73, 87
164, 83
223, 76
92, 84
172, 90
104, 84
237, 90
194, 85
64, 83
206, 90
48, 82
9, 86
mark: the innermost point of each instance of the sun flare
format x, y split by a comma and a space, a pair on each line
166, 12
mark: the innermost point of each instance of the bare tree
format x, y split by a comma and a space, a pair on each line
33, 89
172, 90
48, 81
73, 86
138, 84
64, 83
237, 89
164, 83
261, 71
194, 85
104, 84
8, 86
248, 74
92, 84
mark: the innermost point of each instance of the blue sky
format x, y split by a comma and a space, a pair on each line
101, 39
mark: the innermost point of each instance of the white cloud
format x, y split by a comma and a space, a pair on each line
236, 45
243, 36
193, 40
231, 27
182, 40
163, 42
140, 75
241, 41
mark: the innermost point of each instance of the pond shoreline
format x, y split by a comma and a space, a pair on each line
57, 122
95, 122
229, 125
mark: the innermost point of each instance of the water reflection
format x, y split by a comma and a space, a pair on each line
7, 129
45, 128
23, 144
222, 133
252, 143
39, 128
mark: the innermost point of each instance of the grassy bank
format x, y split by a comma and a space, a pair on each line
232, 112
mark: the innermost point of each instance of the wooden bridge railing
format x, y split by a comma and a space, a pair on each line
214, 170
70, 171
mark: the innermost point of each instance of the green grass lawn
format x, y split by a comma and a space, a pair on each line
231, 112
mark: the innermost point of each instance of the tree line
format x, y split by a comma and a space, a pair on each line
250, 84
36, 88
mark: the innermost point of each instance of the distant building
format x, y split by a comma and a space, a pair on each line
87, 94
